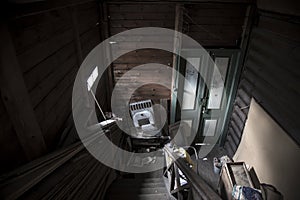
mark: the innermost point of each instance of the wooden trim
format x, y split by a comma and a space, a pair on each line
248, 24
76, 35
105, 33
74, 15
177, 45
17, 101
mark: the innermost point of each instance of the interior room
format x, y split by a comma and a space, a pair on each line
149, 99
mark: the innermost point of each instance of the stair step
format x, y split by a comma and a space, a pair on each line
138, 184
138, 190
140, 181
139, 197
147, 180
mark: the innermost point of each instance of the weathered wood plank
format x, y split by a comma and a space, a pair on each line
51, 24
61, 111
223, 20
216, 10
10, 148
50, 82
141, 23
16, 99
142, 8
138, 60
57, 96
22, 10
42, 72
42, 50
87, 18
141, 16
59, 178
89, 40
108, 80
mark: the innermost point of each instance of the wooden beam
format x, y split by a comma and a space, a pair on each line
73, 11
74, 15
105, 33
177, 46
17, 101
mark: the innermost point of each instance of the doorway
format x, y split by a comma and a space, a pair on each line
204, 105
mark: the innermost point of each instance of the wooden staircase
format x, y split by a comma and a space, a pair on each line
138, 189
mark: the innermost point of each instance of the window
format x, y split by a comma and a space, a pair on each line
92, 78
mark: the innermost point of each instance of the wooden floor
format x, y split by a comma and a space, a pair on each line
205, 167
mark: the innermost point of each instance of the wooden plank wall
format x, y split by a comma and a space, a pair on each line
10, 148
271, 76
128, 16
48, 61
215, 24
139, 57
44, 36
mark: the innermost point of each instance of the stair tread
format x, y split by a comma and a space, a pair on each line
139, 196
141, 185
146, 180
139, 188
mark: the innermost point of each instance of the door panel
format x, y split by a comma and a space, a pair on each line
217, 86
204, 107
190, 87
210, 126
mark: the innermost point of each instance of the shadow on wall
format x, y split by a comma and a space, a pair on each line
273, 154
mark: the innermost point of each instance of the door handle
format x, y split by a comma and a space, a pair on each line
203, 101
205, 110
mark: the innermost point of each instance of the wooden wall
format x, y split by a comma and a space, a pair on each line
11, 153
50, 39
210, 24
123, 17
215, 24
270, 75
47, 55
139, 57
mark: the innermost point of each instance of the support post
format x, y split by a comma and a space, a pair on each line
105, 33
80, 58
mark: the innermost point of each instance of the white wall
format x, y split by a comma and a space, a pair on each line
273, 154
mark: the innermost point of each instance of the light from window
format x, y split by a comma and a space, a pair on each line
92, 78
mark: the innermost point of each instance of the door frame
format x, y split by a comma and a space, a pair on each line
230, 88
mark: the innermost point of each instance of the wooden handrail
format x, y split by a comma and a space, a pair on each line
196, 182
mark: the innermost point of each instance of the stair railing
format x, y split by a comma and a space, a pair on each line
184, 182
